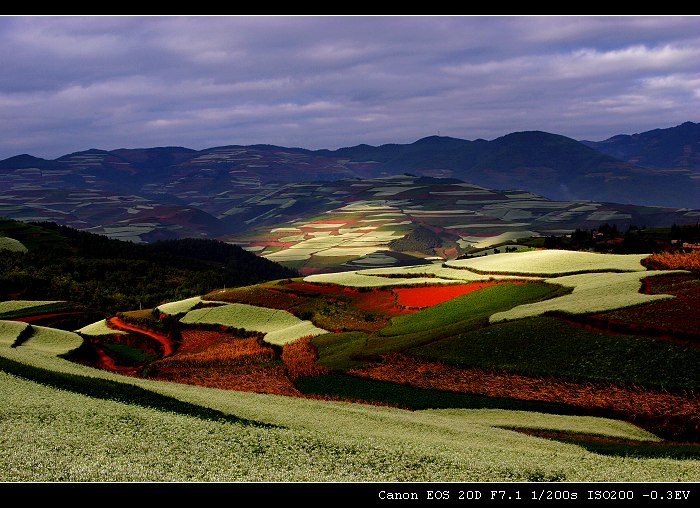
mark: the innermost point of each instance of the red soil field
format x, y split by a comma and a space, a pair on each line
194, 340
372, 300
419, 297
382, 301
211, 347
300, 359
308, 287
104, 361
259, 296
218, 359
270, 379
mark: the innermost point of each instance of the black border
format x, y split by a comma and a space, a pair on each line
364, 494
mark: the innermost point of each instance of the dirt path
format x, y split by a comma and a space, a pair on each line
162, 339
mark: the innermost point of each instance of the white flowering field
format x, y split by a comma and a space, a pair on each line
283, 326
9, 331
60, 435
179, 306
52, 340
551, 262
592, 292
291, 333
98, 328
12, 305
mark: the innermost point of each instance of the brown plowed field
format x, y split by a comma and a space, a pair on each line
636, 404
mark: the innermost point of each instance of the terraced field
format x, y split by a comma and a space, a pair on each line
368, 224
520, 366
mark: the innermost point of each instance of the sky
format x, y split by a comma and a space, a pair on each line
71, 83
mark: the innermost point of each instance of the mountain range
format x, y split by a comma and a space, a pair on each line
511, 183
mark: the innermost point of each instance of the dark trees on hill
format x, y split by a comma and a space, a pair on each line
635, 240
112, 275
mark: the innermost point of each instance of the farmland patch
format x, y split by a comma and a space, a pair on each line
591, 292
12, 245
52, 340
535, 346
286, 327
387, 444
675, 319
99, 328
12, 306
180, 306
473, 306
358, 279
10, 331
427, 296
551, 262
674, 416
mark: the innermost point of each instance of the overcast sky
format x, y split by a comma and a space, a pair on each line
73, 83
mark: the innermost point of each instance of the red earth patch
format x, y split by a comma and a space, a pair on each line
426, 296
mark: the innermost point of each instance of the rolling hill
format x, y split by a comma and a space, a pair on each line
534, 366
372, 222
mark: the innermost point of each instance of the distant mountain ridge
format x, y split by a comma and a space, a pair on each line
657, 168
148, 194
675, 148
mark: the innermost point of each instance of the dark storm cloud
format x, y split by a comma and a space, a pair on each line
72, 83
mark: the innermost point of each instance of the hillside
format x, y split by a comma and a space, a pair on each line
551, 165
500, 318
349, 223
107, 275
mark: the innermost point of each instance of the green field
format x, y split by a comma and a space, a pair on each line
471, 307
548, 346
